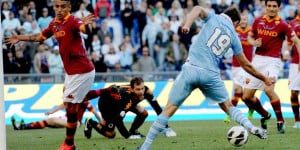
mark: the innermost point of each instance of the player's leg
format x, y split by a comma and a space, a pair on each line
57, 122
238, 116
76, 88
237, 94
295, 107
141, 115
180, 91
275, 102
294, 86
105, 128
252, 102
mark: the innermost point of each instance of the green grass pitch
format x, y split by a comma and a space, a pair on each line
191, 135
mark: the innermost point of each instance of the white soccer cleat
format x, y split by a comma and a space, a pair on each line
259, 132
297, 125
168, 132
133, 137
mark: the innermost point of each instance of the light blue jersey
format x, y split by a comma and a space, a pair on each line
202, 67
215, 38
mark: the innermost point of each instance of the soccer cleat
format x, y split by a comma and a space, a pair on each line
250, 113
137, 133
264, 121
22, 125
297, 125
133, 137
87, 129
227, 119
64, 146
281, 127
260, 133
168, 132
13, 122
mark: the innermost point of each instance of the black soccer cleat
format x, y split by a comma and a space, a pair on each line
13, 122
264, 121
281, 127
87, 128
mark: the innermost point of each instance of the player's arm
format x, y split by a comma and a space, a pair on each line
248, 67
17, 38
55, 109
84, 28
153, 102
196, 12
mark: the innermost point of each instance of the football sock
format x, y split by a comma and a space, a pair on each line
259, 108
277, 109
235, 98
295, 107
36, 125
138, 121
238, 116
154, 130
71, 128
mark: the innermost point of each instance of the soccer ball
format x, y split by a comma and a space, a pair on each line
237, 136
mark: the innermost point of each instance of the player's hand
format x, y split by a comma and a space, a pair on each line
12, 40
185, 29
269, 81
258, 42
88, 19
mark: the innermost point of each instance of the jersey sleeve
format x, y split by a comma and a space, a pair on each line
47, 32
288, 31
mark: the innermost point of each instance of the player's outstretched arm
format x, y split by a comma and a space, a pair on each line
55, 109
17, 38
86, 21
196, 12
248, 67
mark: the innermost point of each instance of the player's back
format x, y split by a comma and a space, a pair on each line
213, 41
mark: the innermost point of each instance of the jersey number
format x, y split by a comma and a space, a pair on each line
218, 42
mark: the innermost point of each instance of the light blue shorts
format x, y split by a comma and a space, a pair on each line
192, 77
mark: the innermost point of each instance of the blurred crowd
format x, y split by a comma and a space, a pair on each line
127, 36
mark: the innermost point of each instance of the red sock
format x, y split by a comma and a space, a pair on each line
259, 108
36, 125
71, 122
235, 98
277, 109
295, 107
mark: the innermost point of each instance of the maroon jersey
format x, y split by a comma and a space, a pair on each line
247, 47
71, 50
273, 32
296, 26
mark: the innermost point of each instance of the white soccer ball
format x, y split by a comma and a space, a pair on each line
237, 136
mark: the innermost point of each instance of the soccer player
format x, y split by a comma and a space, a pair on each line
201, 69
113, 110
268, 33
294, 75
80, 72
52, 122
237, 72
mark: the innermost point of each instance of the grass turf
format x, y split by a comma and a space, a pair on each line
191, 135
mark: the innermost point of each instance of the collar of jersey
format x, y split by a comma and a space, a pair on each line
268, 19
65, 18
239, 29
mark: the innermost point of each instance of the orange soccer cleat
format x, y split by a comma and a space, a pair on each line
64, 146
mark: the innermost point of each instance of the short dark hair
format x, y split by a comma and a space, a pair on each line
277, 1
136, 81
234, 13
